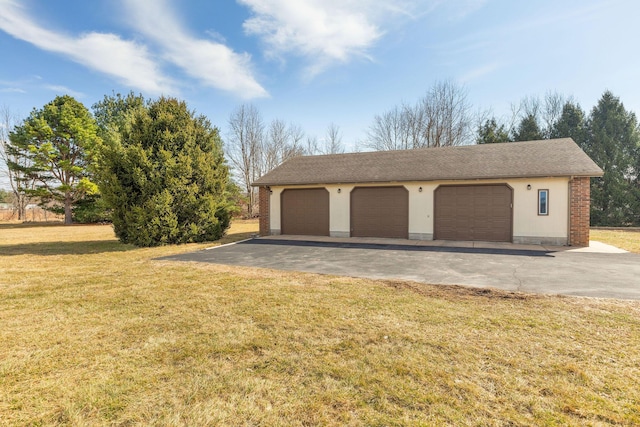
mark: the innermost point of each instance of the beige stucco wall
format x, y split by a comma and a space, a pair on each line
528, 226
274, 209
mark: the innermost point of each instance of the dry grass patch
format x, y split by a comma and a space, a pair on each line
629, 240
105, 335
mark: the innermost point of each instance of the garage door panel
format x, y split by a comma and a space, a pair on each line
305, 212
473, 212
380, 212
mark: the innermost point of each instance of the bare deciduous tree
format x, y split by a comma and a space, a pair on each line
281, 143
246, 134
254, 149
553, 104
545, 112
333, 141
441, 118
393, 129
312, 146
17, 177
274, 144
447, 119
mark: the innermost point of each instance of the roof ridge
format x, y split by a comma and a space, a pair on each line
548, 157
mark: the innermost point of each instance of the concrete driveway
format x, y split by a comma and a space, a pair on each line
510, 267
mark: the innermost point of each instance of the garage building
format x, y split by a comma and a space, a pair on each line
521, 192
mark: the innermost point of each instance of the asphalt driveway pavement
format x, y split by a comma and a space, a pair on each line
537, 270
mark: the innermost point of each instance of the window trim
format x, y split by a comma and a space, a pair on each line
540, 192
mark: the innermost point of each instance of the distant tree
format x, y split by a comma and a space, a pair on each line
311, 147
613, 142
491, 132
167, 180
55, 146
237, 199
5, 196
394, 130
571, 124
527, 130
245, 149
553, 106
544, 112
446, 116
20, 182
280, 143
333, 140
441, 118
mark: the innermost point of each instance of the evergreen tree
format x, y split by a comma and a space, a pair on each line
112, 114
166, 179
5, 196
613, 142
570, 124
528, 129
59, 141
490, 132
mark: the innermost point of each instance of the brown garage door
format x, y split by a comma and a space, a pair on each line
305, 212
380, 212
473, 212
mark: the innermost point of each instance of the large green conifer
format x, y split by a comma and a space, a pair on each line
613, 142
166, 178
59, 143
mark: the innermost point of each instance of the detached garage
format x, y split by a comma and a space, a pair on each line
521, 192
473, 212
305, 211
380, 212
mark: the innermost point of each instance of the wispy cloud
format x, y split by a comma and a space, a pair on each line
12, 90
461, 9
63, 90
323, 31
127, 61
479, 72
488, 39
212, 63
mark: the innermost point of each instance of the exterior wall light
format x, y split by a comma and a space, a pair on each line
339, 190
420, 189
528, 186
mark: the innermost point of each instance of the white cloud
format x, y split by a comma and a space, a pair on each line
12, 89
479, 72
323, 31
63, 90
208, 61
127, 61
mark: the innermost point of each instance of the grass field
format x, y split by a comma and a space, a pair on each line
623, 239
94, 332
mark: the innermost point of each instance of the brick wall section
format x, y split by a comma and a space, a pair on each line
263, 206
579, 205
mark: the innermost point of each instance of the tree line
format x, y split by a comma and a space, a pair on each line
609, 134
254, 147
156, 166
142, 163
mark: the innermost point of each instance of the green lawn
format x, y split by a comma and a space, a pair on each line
98, 333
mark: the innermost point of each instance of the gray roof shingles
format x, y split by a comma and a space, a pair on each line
545, 158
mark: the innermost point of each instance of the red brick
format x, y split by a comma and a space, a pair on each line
579, 207
263, 204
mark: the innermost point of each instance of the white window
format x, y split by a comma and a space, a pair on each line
543, 202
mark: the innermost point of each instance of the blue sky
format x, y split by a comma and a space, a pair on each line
316, 62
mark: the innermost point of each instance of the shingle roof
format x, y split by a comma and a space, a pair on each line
545, 158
